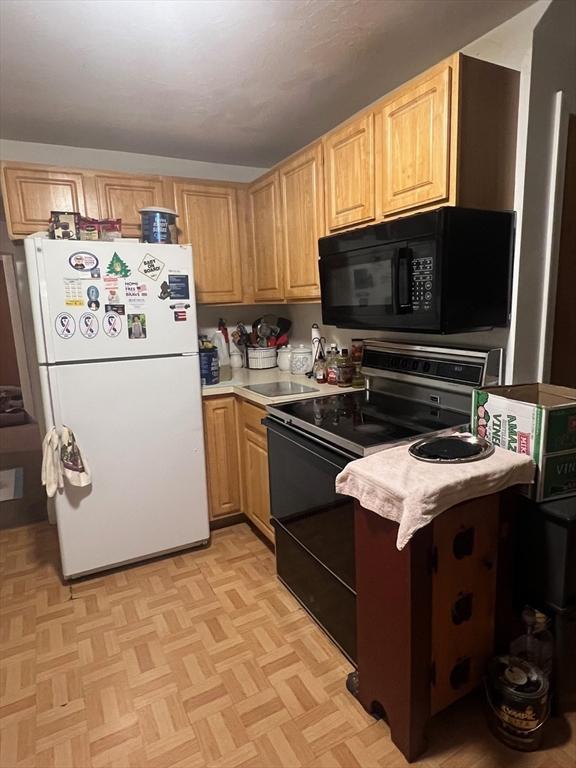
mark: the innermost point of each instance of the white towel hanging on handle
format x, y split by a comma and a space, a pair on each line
61, 458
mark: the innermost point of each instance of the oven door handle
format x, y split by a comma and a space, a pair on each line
401, 299
287, 428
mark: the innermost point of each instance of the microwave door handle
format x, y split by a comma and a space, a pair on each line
401, 299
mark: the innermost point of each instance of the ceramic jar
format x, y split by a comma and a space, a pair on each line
284, 356
301, 360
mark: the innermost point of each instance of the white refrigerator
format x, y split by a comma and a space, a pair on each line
116, 336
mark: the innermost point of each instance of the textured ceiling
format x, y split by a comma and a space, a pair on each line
230, 81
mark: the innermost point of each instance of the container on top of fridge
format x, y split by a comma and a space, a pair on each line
538, 420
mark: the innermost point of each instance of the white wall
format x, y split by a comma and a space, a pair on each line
108, 160
553, 69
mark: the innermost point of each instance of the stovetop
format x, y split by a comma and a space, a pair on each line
365, 421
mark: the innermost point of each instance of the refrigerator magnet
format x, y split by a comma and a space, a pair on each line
136, 326
151, 267
118, 308
65, 325
112, 324
89, 325
180, 305
117, 267
180, 315
136, 293
164, 290
73, 293
83, 261
179, 287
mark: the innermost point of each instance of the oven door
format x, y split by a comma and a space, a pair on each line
314, 529
387, 286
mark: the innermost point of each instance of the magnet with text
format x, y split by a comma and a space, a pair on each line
83, 261
136, 293
151, 267
136, 326
117, 267
164, 290
179, 286
73, 292
112, 290
65, 325
118, 308
112, 324
180, 315
89, 325
180, 305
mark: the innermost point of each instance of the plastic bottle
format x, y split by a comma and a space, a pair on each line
331, 365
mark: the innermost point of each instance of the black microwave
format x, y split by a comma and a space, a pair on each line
442, 271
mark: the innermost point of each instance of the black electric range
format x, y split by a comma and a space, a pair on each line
363, 422
411, 391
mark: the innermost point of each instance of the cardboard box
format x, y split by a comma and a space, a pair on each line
538, 420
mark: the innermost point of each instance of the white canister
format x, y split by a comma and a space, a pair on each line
301, 360
235, 357
284, 357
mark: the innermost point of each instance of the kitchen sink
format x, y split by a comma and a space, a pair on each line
279, 389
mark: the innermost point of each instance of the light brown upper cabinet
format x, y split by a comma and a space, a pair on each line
414, 144
209, 220
121, 197
31, 192
448, 137
266, 238
349, 173
302, 194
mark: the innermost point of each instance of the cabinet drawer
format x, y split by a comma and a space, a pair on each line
252, 416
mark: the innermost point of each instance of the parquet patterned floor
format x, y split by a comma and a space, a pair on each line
192, 661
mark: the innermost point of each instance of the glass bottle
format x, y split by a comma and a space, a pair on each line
537, 643
331, 365
320, 370
345, 369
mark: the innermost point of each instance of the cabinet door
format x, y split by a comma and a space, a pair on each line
266, 238
121, 197
302, 193
349, 173
209, 221
413, 157
31, 193
222, 465
255, 484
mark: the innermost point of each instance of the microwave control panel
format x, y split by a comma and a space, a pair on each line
422, 283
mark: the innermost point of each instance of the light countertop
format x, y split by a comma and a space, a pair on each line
241, 377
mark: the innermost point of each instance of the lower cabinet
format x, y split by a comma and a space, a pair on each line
254, 454
237, 461
222, 465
